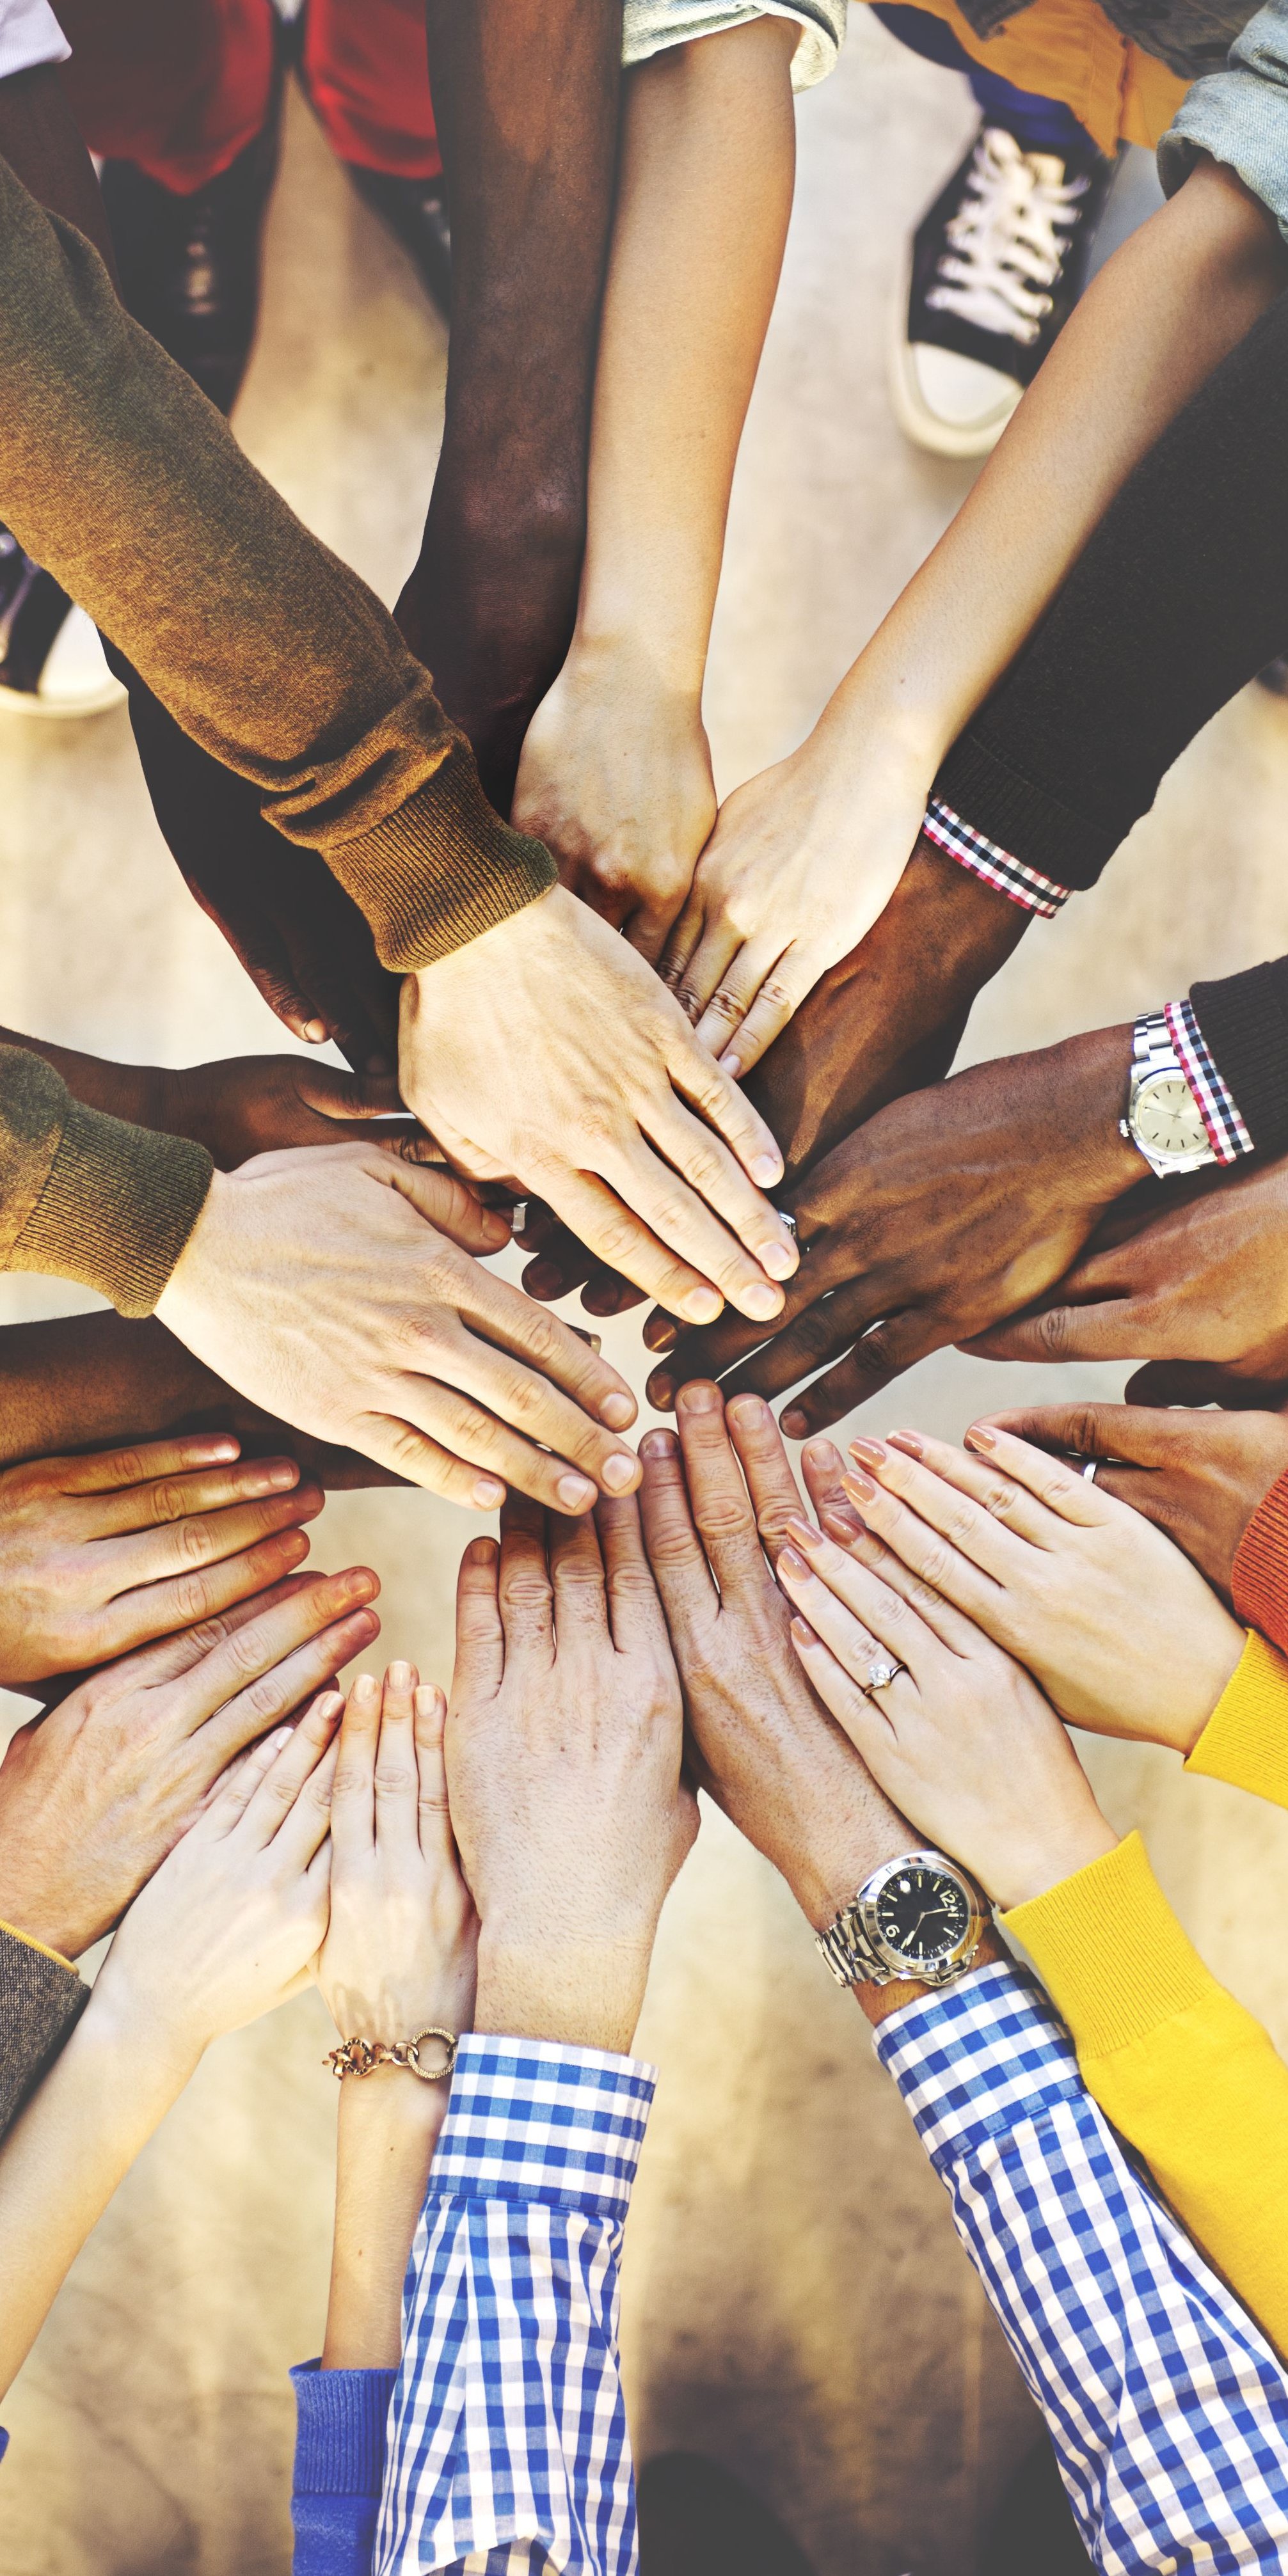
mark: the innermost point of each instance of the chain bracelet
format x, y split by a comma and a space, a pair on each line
363, 2056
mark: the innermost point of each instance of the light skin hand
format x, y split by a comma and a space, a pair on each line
101, 1554
1198, 1476
336, 1289
398, 1959
564, 1738
1118, 1628
93, 1795
226, 1930
547, 1053
962, 1737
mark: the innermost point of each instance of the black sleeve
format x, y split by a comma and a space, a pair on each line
1179, 598
1244, 1019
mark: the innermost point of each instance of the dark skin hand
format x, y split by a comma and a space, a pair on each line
715, 1505
244, 1105
945, 1209
1206, 1280
526, 102
1200, 1476
887, 1020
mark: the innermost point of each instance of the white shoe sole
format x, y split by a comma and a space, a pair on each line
20, 702
922, 426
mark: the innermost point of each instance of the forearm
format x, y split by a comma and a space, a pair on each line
124, 1090
87, 1196
1164, 312
88, 1381
388, 2128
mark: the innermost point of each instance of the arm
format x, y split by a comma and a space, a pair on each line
243, 1106
616, 775
41, 2001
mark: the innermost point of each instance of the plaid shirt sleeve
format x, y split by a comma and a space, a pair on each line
508, 2452
1167, 2407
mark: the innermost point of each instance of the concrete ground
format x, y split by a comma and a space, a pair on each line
796, 2304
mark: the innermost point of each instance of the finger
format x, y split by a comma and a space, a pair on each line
579, 1589
721, 1504
1090, 1431
167, 1500
758, 1444
1119, 1329
155, 1666
954, 1627
882, 1354
823, 1468
336, 1092
1069, 1497
142, 1464
590, 1390
676, 1555
353, 1798
881, 1627
132, 1566
718, 1002
611, 1227
524, 1589
711, 1213
311, 1667
244, 1654
817, 1325
469, 1432
306, 1823
397, 1781
940, 1568
233, 1792
449, 1204
783, 988
1198, 1382
683, 941
480, 1634
986, 1513
190, 1600
860, 1717
634, 1610
406, 1452
279, 1785
434, 1821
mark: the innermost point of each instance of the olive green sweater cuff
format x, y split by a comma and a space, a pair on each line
96, 1199
441, 869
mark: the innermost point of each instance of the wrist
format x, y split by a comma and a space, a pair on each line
1025, 1871
136, 2028
626, 648
580, 1996
1090, 1076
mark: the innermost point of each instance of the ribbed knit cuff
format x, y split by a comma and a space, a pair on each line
1245, 1740
340, 2419
116, 1210
1259, 1583
979, 782
1244, 1019
441, 870
1110, 1950
41, 1997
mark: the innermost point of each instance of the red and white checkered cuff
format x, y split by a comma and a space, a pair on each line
960, 841
1227, 1135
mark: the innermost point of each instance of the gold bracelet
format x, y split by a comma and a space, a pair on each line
363, 2056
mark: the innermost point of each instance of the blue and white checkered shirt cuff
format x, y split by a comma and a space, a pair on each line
508, 2447
1167, 2408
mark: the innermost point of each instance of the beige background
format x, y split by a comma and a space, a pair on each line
795, 2300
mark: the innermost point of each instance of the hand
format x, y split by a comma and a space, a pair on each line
1122, 1633
802, 862
948, 1207
99, 1555
546, 1051
1199, 1476
961, 1737
335, 1289
264, 1104
94, 1795
563, 1770
615, 778
763, 1745
399, 1955
230, 1925
1207, 1280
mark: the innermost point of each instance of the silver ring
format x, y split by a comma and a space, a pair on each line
789, 1221
1089, 1471
881, 1675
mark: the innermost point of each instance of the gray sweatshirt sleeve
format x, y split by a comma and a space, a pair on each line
1239, 116
41, 1997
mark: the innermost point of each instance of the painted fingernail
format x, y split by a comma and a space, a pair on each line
761, 1302
487, 1493
657, 1444
859, 1487
617, 1410
841, 1523
576, 1493
699, 1396
767, 1168
801, 1531
619, 1471
791, 1562
803, 1634
911, 1441
702, 1305
872, 1450
661, 1333
979, 1438
660, 1391
779, 1259
793, 1425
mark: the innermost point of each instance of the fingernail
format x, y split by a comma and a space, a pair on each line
617, 1411
661, 1333
911, 1441
822, 1455
359, 1584
841, 1523
315, 1032
803, 1634
761, 1302
280, 1479
660, 1391
801, 1531
498, 1225
365, 1686
487, 1493
657, 1444
542, 1279
400, 1676
702, 1305
767, 1168
793, 1425
858, 1485
747, 1409
791, 1562
576, 1493
872, 1450
279, 1739
779, 1259
730, 1064
978, 1438
699, 1397
619, 1471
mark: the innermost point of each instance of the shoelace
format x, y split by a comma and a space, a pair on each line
1008, 240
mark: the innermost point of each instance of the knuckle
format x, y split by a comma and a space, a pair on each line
395, 1780
169, 1502
192, 1600
1055, 1331
194, 1541
935, 1567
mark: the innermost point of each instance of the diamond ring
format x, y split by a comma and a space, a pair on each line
880, 1675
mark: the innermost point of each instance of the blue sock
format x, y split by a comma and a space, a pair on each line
1038, 124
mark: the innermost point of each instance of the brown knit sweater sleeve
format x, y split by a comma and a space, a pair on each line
120, 476
41, 1998
1259, 1582
88, 1197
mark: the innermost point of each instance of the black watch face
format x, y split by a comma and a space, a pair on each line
923, 1914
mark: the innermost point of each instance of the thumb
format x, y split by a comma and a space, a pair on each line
1127, 1431
334, 1091
1198, 1382
449, 1203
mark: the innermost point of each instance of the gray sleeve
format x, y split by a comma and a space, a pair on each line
1239, 116
40, 1999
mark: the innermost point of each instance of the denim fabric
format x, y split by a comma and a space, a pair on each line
1240, 116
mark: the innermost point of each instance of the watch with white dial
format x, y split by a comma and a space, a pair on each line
918, 1920
1164, 1121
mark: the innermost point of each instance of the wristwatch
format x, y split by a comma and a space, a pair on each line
918, 1921
1163, 1118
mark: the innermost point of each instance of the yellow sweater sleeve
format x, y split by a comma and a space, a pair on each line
1189, 2078
1245, 1740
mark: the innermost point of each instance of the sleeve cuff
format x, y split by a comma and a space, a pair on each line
116, 1210
1005, 807
41, 1996
341, 2417
1238, 117
976, 2062
1259, 1583
1109, 1948
529, 2120
441, 870
1245, 1740
986, 859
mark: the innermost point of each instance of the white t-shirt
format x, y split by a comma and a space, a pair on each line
29, 34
